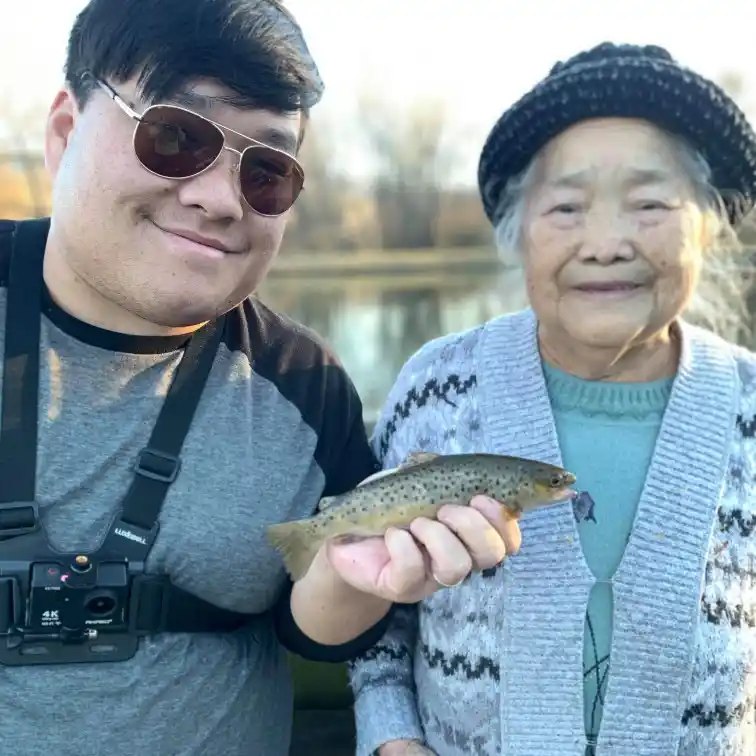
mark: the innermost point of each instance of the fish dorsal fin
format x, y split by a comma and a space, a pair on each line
417, 458
326, 502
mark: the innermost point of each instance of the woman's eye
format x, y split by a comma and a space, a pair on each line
566, 208
652, 206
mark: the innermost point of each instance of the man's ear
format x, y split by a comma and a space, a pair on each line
61, 121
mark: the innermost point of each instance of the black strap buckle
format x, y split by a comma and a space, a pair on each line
157, 465
18, 518
148, 607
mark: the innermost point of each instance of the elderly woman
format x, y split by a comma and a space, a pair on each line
626, 623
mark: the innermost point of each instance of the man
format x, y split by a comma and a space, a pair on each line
172, 150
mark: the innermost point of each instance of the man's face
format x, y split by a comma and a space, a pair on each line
121, 231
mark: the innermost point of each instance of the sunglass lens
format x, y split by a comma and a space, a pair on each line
175, 143
270, 180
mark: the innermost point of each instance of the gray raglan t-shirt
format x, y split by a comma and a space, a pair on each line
279, 424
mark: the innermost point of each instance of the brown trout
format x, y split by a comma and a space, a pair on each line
419, 487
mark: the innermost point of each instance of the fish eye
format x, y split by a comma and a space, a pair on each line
557, 481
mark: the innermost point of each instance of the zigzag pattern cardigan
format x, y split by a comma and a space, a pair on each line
495, 666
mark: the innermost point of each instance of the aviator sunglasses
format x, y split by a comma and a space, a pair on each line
175, 143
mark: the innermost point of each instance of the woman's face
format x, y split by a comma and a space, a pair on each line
612, 235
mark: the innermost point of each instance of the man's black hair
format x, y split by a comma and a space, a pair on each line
253, 47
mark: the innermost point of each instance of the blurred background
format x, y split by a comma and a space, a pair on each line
388, 246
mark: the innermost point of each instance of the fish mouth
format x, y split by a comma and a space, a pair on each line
548, 497
564, 492
566, 495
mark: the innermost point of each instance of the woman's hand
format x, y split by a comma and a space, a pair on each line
350, 586
406, 567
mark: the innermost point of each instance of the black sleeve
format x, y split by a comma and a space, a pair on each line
345, 455
294, 640
307, 372
346, 459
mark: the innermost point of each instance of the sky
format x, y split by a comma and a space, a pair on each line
477, 56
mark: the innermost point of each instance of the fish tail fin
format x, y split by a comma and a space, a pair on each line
296, 544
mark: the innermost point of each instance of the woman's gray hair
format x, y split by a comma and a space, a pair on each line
719, 302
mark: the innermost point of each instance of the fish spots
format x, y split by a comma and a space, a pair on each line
419, 490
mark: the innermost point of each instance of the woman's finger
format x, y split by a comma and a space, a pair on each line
450, 560
505, 523
408, 567
484, 543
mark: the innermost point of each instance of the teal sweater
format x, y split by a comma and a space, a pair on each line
607, 433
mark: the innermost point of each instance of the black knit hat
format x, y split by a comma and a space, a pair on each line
631, 82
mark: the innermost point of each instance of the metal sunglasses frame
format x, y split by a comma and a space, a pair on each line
222, 130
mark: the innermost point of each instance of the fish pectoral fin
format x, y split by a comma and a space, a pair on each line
417, 458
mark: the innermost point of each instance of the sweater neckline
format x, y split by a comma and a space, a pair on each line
571, 393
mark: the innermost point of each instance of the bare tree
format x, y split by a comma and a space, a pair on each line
412, 163
21, 134
318, 214
737, 86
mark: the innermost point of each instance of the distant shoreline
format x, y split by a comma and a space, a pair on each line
384, 262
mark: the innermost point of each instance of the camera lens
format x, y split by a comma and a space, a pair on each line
100, 603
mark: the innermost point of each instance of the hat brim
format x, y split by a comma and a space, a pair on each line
673, 98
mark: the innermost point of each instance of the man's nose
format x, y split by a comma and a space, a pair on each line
216, 191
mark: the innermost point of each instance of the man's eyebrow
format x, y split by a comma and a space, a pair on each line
203, 102
284, 140
280, 138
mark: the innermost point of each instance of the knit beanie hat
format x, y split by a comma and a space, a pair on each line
625, 81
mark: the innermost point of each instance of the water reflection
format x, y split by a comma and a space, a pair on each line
375, 323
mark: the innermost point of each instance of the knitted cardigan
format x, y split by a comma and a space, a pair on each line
495, 665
